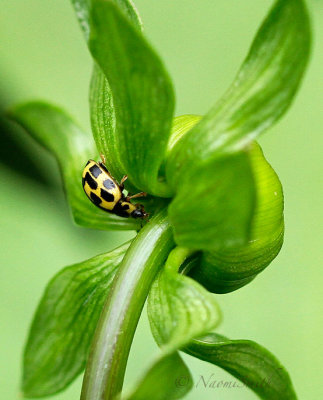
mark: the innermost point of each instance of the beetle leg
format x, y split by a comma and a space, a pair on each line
134, 196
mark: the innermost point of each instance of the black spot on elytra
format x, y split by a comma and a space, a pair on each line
108, 184
91, 182
96, 199
104, 167
119, 210
107, 196
95, 171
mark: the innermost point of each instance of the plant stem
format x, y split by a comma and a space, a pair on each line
107, 362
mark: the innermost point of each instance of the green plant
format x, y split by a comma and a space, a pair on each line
216, 211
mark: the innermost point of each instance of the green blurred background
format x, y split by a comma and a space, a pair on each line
43, 55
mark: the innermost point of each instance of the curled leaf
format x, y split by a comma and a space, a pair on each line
227, 270
72, 148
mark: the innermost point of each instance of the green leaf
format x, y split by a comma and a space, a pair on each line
259, 96
64, 323
106, 366
229, 269
214, 204
168, 378
180, 126
103, 122
102, 111
251, 363
82, 11
142, 94
58, 133
179, 310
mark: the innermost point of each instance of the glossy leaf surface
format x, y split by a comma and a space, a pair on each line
64, 323
72, 148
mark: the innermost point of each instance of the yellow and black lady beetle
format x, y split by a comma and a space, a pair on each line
106, 193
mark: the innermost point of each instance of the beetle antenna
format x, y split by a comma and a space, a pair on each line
102, 156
